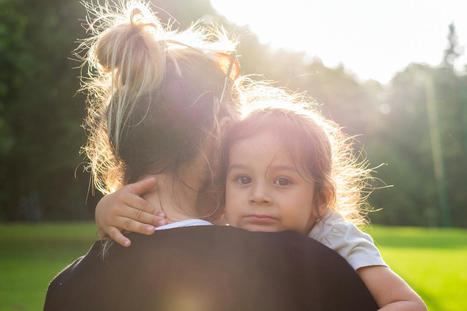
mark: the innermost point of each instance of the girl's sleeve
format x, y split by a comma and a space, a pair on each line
346, 239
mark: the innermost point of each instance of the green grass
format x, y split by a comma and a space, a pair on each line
432, 261
30, 256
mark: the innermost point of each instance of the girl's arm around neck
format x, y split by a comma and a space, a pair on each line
389, 290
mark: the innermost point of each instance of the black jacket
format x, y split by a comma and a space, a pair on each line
210, 268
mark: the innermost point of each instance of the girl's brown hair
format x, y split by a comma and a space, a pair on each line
153, 94
318, 147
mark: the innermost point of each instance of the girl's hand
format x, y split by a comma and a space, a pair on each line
125, 209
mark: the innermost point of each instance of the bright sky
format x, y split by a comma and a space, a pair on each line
372, 38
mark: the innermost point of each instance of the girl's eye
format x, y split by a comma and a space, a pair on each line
282, 181
243, 180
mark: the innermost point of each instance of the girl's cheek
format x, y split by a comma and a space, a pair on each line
230, 216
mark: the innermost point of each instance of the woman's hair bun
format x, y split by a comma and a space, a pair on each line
132, 51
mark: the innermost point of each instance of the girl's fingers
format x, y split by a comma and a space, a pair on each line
117, 236
140, 210
131, 225
142, 186
139, 203
145, 218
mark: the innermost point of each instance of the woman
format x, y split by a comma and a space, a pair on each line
157, 104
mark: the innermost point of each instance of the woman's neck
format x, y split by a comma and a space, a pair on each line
176, 197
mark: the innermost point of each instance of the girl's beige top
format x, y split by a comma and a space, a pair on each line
346, 239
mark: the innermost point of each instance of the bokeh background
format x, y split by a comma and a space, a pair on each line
410, 122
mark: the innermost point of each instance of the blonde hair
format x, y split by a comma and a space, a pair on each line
317, 145
134, 67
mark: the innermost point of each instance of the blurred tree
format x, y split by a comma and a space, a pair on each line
41, 118
453, 51
402, 140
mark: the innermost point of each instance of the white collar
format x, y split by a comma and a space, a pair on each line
185, 223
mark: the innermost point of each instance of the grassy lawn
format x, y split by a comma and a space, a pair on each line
432, 261
30, 256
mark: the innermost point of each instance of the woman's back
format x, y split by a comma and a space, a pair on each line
210, 268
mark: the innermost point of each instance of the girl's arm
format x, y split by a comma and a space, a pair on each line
126, 210
389, 290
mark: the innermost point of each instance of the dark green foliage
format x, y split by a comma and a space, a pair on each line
40, 116
40, 122
404, 142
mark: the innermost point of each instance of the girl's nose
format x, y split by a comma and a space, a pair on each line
260, 195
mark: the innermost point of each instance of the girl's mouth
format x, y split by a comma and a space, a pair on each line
261, 219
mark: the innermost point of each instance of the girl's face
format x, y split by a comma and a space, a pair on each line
264, 190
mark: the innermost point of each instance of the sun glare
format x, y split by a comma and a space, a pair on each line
373, 39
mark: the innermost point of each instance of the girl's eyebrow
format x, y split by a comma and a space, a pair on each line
292, 169
274, 167
236, 166
283, 168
